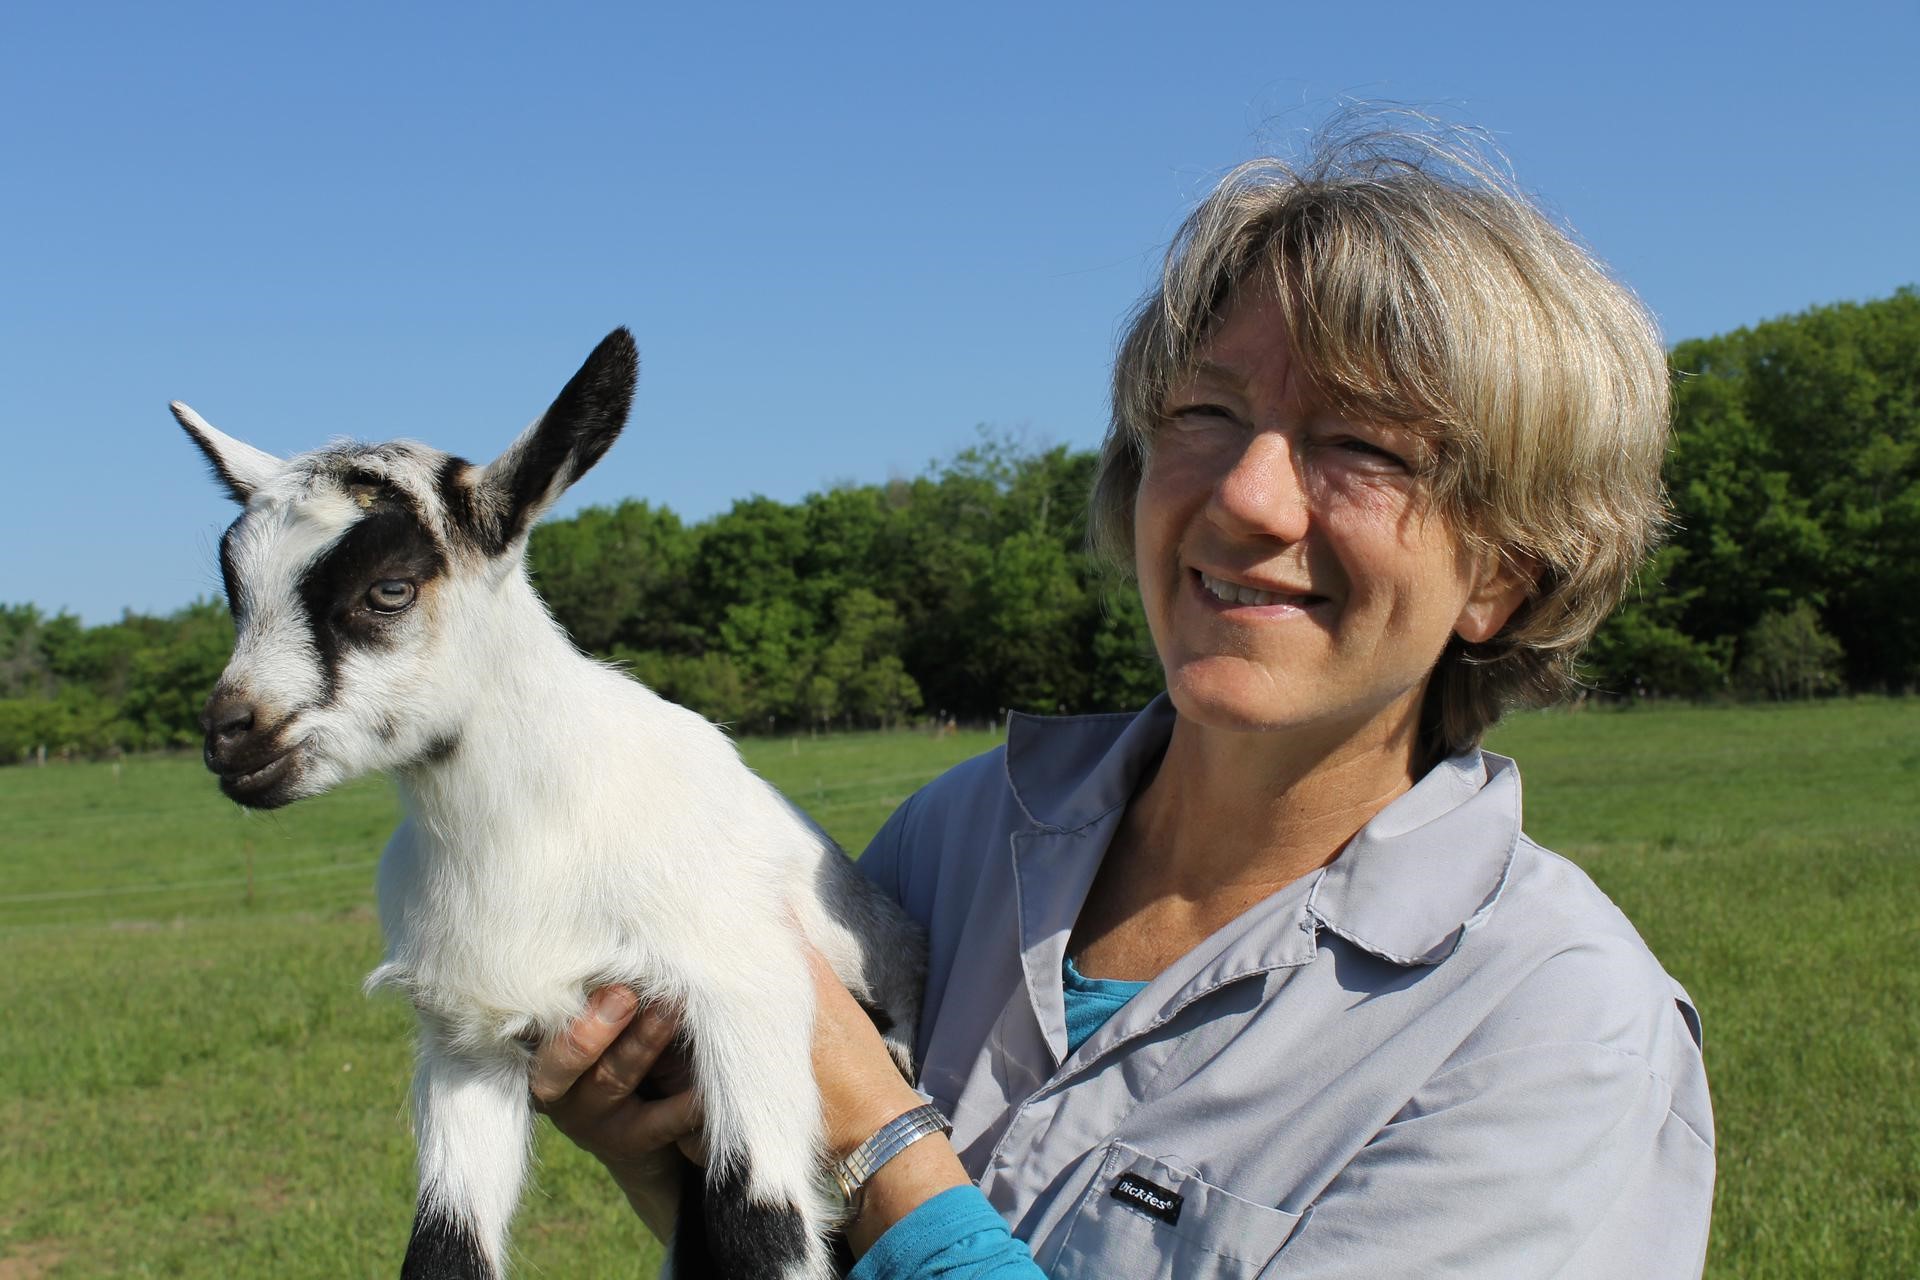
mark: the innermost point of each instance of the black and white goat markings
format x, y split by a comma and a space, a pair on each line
565, 827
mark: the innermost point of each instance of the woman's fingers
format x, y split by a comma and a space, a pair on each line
640, 1131
559, 1064
603, 1114
589, 1081
633, 1057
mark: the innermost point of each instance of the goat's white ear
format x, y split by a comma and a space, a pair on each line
238, 466
578, 427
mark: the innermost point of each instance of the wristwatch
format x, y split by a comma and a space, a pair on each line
895, 1136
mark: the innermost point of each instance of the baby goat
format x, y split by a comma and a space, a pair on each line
565, 827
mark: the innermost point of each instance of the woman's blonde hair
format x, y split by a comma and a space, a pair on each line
1420, 287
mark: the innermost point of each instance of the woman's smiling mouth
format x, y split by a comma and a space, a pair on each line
1233, 595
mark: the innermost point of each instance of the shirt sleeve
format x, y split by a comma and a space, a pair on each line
954, 1236
883, 861
1561, 1160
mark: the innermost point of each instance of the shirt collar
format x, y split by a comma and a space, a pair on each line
1414, 879
1068, 771
1406, 887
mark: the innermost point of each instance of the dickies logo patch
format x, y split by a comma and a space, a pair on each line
1150, 1198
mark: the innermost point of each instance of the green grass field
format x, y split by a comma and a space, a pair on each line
191, 1083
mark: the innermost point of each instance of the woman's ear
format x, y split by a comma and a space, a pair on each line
1502, 582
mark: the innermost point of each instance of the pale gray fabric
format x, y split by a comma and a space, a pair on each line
1445, 1054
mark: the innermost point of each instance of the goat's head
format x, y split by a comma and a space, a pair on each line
351, 568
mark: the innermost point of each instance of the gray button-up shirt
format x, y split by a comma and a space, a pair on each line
1444, 1054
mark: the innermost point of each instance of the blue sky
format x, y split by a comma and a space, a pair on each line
843, 234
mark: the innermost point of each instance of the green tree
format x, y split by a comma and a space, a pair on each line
615, 575
1788, 654
1029, 643
24, 668
1796, 476
710, 683
751, 556
1643, 648
860, 672
773, 646
168, 681
1126, 671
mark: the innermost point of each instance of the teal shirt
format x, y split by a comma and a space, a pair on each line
1091, 1001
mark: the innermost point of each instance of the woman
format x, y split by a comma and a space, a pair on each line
1266, 980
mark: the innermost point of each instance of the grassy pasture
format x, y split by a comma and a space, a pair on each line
191, 1083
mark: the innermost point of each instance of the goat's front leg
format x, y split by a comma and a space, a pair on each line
472, 1118
762, 1215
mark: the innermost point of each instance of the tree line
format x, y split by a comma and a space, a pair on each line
1794, 565
1793, 570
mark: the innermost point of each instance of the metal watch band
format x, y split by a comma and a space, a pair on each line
895, 1136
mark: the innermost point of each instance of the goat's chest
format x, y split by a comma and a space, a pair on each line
486, 943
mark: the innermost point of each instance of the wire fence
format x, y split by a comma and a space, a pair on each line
269, 887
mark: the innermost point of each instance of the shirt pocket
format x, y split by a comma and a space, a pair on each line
1144, 1219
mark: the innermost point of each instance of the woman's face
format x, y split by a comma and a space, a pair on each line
1293, 573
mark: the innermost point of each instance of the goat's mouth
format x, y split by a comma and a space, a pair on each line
268, 786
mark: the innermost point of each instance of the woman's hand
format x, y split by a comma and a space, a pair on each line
588, 1079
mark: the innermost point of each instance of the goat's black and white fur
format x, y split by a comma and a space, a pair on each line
565, 827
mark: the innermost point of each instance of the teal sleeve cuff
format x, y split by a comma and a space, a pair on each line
954, 1236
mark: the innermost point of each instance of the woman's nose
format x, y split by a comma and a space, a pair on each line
1263, 492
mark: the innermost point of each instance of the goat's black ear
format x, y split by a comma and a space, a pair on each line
240, 468
577, 428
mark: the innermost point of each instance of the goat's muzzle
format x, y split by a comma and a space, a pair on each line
257, 767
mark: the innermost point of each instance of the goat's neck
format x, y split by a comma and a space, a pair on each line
522, 751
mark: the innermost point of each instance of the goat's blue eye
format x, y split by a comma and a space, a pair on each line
390, 595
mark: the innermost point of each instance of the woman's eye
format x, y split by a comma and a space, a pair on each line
1368, 449
390, 595
1200, 415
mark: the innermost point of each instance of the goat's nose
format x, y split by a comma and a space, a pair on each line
227, 720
